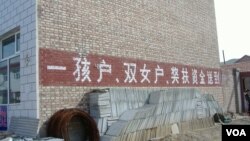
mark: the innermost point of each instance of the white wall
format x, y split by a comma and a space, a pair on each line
14, 13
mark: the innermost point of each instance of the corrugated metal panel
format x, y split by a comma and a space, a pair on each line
24, 126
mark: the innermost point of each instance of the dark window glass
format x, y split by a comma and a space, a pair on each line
3, 82
14, 77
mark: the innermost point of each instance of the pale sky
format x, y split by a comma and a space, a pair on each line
233, 27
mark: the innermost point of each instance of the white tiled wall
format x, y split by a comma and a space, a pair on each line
14, 13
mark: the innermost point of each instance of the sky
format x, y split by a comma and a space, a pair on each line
233, 28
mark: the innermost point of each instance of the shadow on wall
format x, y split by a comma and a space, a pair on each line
236, 79
82, 105
234, 97
230, 101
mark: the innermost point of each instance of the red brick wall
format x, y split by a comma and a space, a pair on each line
59, 68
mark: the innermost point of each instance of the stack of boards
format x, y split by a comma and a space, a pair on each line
142, 114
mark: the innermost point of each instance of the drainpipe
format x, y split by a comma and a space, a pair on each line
223, 57
238, 102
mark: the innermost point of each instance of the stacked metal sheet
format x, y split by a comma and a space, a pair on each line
161, 131
99, 104
126, 99
132, 113
100, 109
106, 106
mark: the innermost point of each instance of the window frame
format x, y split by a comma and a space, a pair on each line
1, 47
7, 59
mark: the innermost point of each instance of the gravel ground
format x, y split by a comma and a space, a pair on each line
207, 134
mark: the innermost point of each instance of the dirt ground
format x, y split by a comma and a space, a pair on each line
205, 134
208, 134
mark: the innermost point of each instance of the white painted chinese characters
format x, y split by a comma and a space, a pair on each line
132, 73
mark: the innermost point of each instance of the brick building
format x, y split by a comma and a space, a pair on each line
61, 49
235, 79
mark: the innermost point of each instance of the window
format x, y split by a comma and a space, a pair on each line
10, 45
10, 70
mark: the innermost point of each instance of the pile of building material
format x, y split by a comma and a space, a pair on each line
143, 114
107, 106
162, 131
